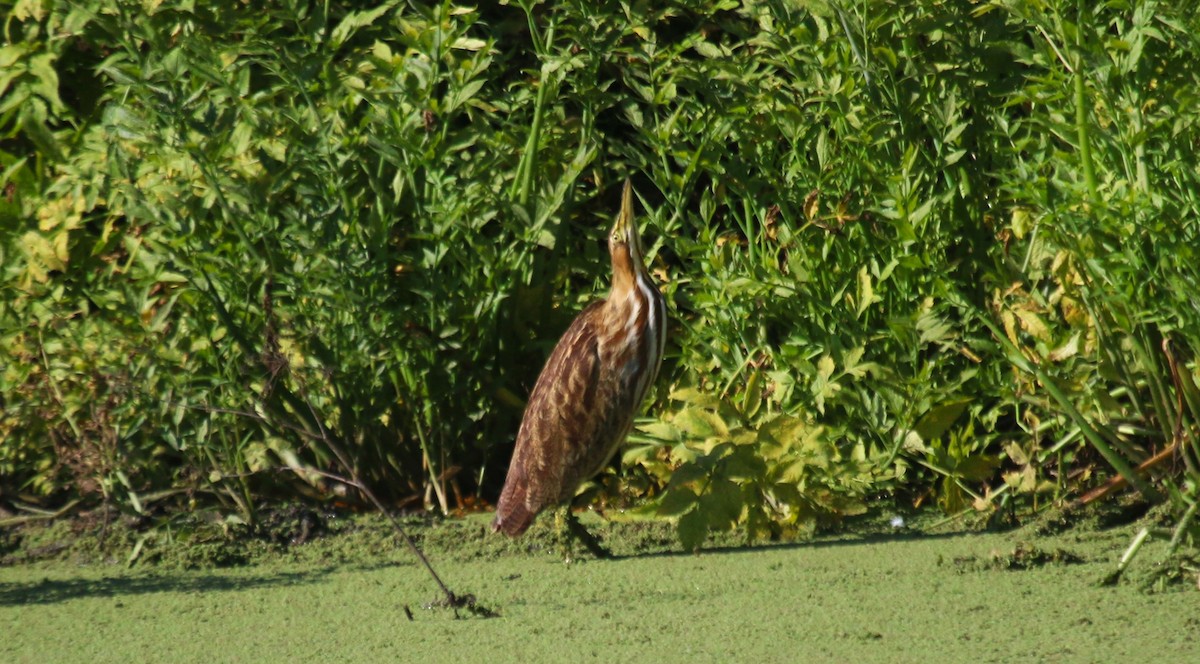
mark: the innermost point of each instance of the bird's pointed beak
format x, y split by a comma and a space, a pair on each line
626, 227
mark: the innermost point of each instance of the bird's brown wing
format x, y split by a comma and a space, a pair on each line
557, 430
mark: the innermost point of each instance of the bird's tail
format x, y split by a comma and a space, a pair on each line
513, 515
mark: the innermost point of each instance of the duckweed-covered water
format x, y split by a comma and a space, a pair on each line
892, 596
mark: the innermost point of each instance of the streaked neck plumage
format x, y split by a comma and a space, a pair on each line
625, 246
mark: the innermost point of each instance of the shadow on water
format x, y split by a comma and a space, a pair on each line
872, 538
51, 591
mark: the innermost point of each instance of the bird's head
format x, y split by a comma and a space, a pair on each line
625, 244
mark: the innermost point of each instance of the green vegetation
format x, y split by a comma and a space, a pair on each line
930, 254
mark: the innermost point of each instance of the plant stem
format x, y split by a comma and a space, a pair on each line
1081, 116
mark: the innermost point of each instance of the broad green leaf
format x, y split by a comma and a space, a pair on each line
692, 529
977, 467
700, 423
686, 474
934, 423
744, 463
662, 431
461, 95
787, 430
676, 501
722, 502
707, 49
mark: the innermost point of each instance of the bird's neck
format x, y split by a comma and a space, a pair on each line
624, 274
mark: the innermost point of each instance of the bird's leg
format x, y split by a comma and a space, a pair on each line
569, 528
562, 532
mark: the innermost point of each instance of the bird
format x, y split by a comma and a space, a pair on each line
583, 403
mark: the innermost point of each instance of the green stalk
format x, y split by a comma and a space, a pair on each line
529, 156
1160, 396
1133, 549
1181, 528
1081, 120
523, 184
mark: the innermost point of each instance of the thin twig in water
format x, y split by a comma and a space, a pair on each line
449, 599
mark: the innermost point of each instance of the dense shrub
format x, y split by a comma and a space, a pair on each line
944, 253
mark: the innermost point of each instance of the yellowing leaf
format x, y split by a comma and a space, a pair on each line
44, 256
1024, 480
695, 397
681, 453
1021, 222
468, 44
1010, 325
812, 205
825, 366
866, 291
783, 429
1033, 324
355, 20
792, 472
1067, 350
382, 51
1016, 454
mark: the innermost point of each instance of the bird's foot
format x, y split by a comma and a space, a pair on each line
570, 529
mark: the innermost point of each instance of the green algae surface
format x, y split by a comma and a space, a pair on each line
347, 595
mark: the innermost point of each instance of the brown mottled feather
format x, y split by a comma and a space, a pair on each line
583, 403
539, 451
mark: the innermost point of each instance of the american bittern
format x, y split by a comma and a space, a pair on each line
583, 403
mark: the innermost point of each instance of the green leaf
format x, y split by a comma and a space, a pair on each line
687, 473
695, 397
662, 431
722, 502
939, 419
707, 49
676, 501
977, 467
355, 20
700, 423
42, 67
752, 397
692, 529
783, 429
461, 95
745, 464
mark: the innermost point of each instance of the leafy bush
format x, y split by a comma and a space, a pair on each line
937, 253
